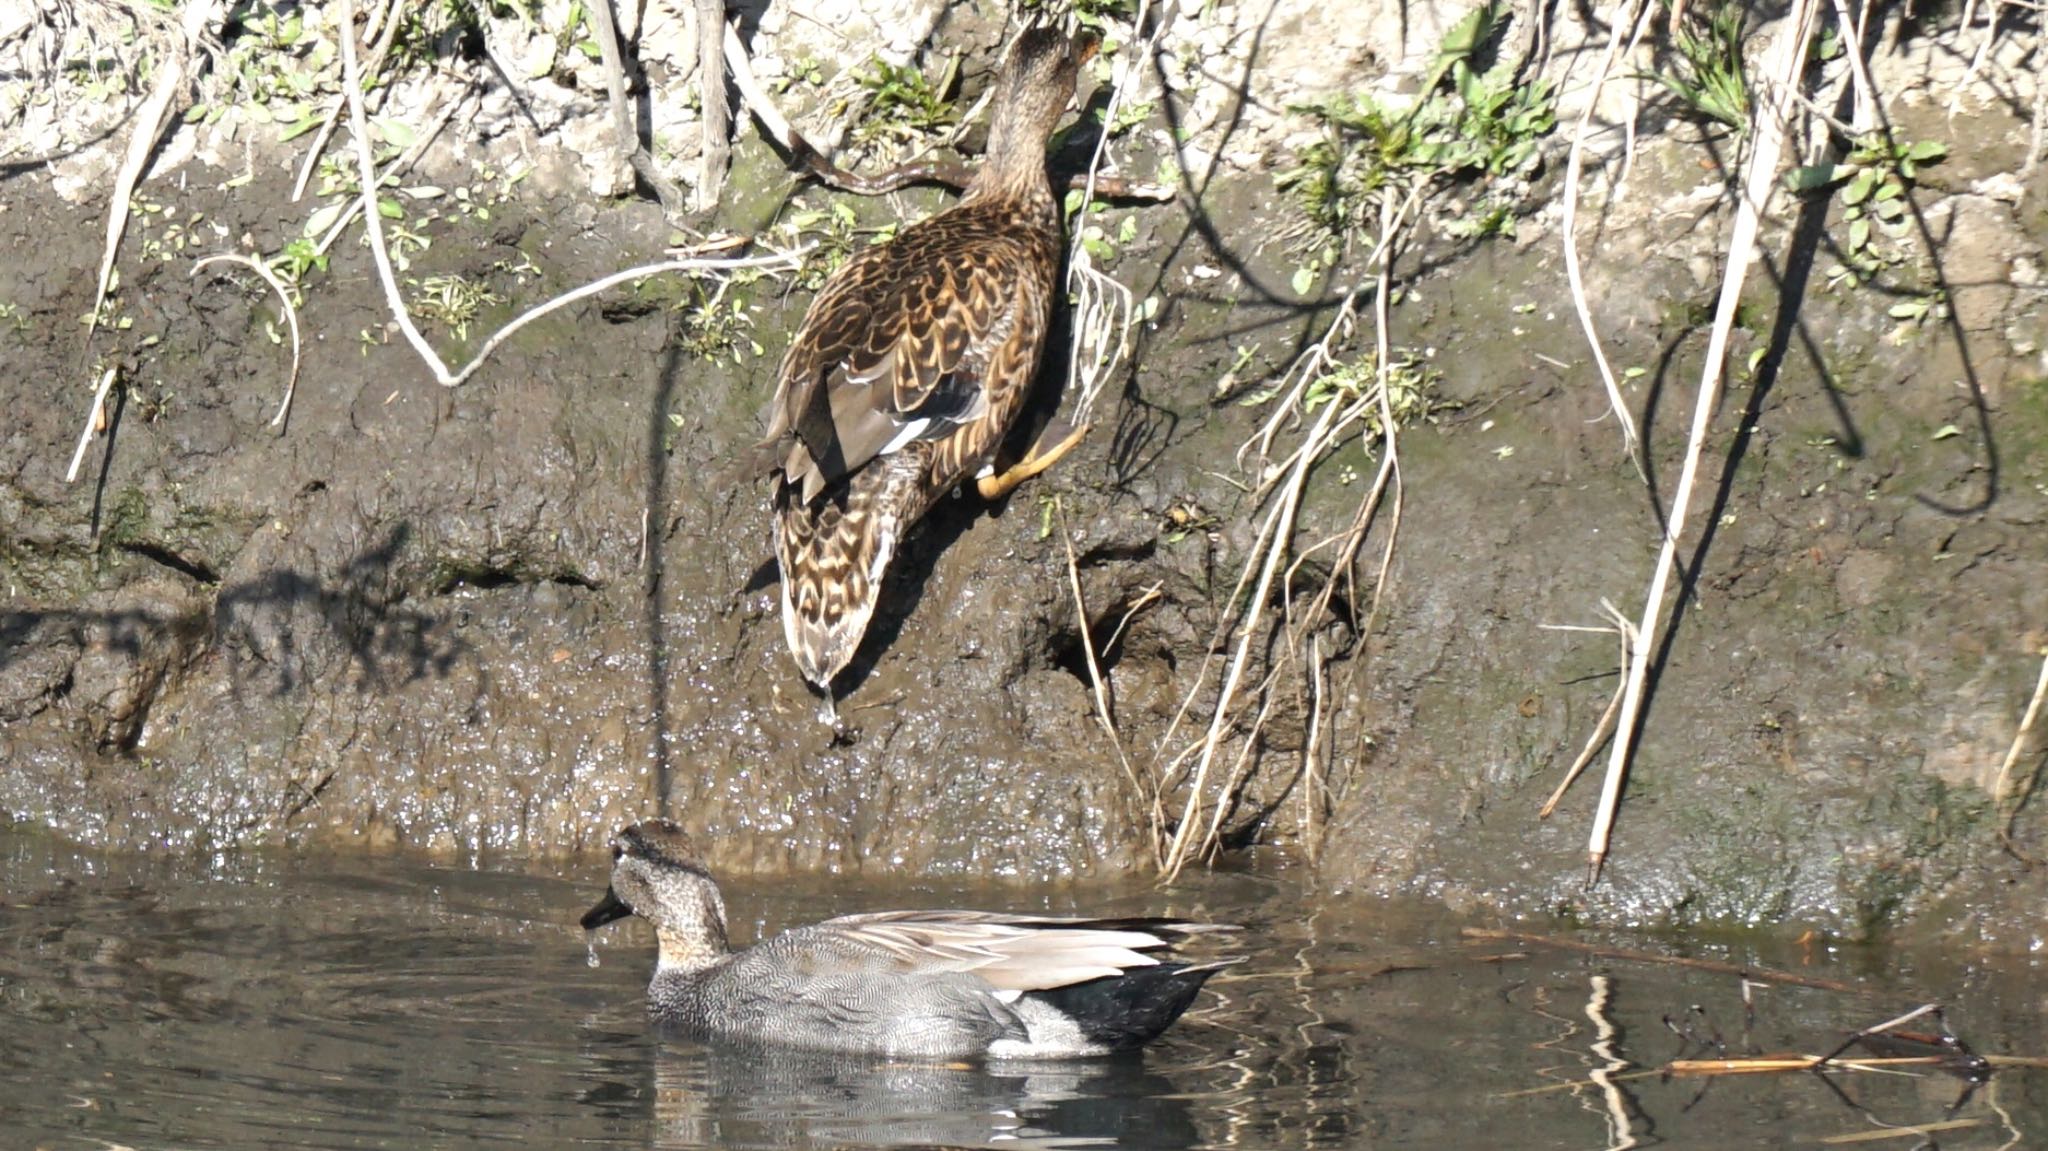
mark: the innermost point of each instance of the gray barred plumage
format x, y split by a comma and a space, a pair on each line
930, 984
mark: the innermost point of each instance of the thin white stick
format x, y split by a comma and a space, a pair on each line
1099, 688
199, 18
1626, 630
92, 423
291, 316
2019, 744
366, 170
1864, 118
390, 26
1573, 276
756, 98
392, 170
1768, 122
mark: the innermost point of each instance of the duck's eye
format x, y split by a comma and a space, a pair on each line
617, 852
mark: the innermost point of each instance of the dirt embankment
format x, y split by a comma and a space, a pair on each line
517, 612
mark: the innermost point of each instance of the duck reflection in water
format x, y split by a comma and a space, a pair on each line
714, 1096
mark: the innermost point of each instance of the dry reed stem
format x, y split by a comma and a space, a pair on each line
94, 417
1626, 631
384, 30
2035, 141
1099, 689
1777, 1065
1865, 116
1741, 971
1907, 1131
1767, 127
392, 171
1574, 276
1955, 100
757, 99
291, 315
717, 115
201, 18
2002, 800
1102, 307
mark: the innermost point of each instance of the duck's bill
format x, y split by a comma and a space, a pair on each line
610, 908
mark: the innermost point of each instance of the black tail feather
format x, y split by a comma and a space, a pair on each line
1125, 1012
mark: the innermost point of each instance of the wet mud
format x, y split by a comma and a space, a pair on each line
518, 613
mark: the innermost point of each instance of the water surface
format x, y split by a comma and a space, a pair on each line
284, 1002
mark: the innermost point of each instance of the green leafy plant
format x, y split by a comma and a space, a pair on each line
1707, 73
1480, 124
1411, 389
1873, 182
902, 105
718, 325
834, 233
297, 258
453, 301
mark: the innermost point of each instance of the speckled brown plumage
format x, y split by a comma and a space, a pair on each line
911, 366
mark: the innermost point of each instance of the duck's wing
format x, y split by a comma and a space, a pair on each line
895, 349
1014, 953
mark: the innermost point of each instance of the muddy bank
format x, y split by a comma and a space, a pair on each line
515, 613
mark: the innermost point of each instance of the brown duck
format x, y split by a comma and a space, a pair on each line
910, 369
911, 366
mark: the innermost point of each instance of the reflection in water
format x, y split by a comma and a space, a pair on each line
713, 1097
268, 1002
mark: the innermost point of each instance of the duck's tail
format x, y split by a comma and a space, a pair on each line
833, 551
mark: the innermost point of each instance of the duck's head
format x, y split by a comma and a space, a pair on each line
1034, 89
656, 875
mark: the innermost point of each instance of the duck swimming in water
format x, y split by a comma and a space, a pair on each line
929, 984
912, 365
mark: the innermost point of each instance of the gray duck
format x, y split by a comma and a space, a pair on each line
924, 984
911, 366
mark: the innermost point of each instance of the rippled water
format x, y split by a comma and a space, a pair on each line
264, 1002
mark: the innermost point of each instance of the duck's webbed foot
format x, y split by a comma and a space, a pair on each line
1043, 454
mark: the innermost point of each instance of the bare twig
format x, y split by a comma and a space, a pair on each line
291, 315
1768, 122
1865, 117
351, 86
398, 167
385, 29
1568, 225
610, 46
2004, 801
201, 20
1627, 631
1099, 688
94, 416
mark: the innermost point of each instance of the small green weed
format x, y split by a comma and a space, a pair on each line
1874, 179
1486, 125
1707, 72
902, 106
836, 234
715, 326
1411, 390
453, 301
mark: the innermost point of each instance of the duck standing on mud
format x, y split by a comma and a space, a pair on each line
910, 368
